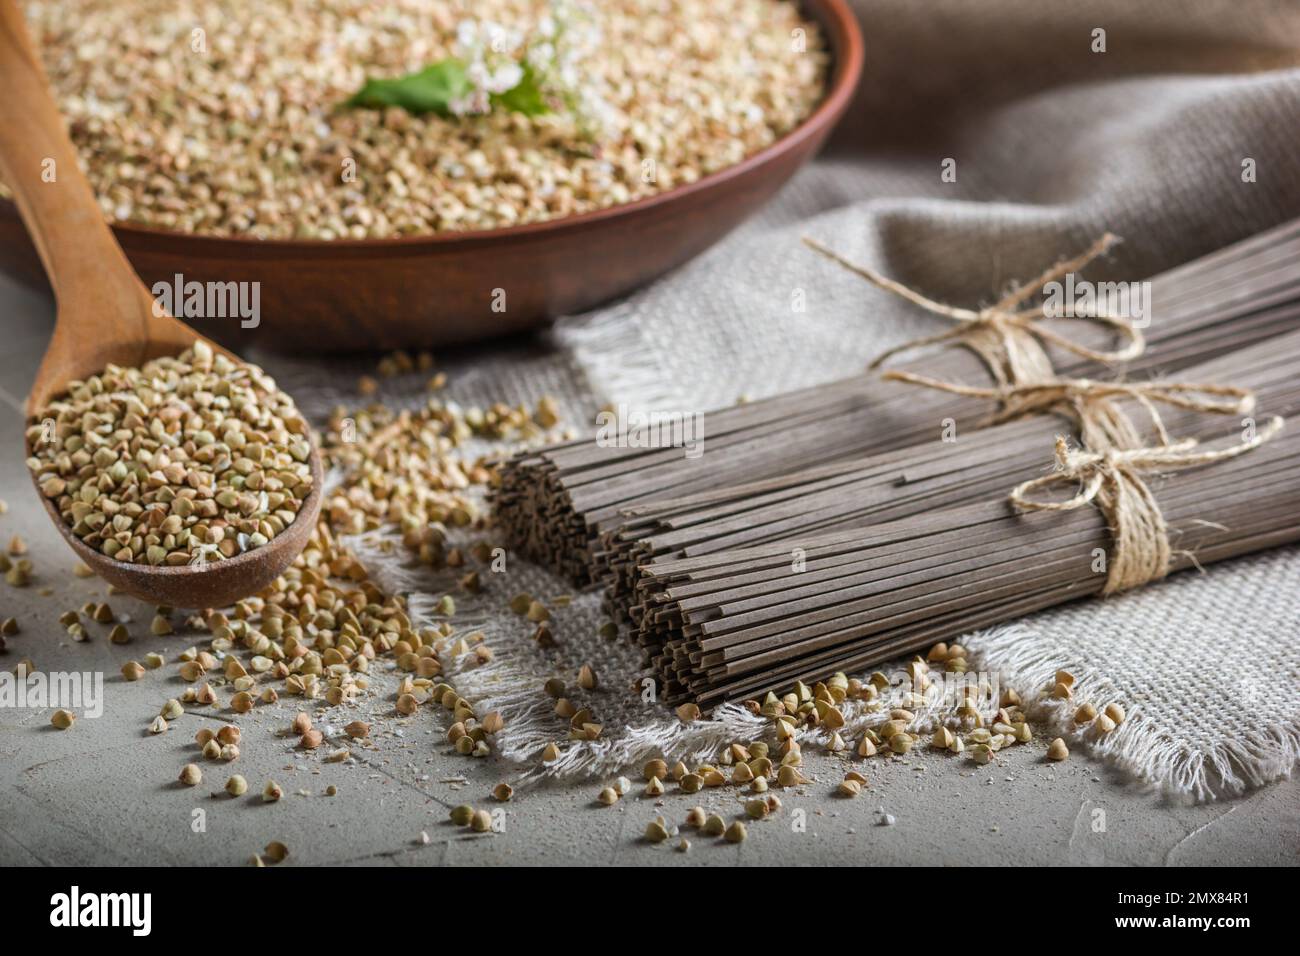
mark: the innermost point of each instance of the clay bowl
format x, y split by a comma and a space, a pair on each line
436, 290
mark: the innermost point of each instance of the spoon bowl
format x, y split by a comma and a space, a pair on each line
216, 584
106, 316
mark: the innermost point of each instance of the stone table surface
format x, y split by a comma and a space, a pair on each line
105, 792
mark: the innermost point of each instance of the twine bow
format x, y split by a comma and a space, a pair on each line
1006, 336
1113, 479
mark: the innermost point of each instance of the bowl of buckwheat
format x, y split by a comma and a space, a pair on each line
423, 172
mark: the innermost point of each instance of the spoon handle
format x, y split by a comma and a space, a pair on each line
105, 314
82, 259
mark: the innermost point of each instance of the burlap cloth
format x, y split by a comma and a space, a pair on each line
1054, 144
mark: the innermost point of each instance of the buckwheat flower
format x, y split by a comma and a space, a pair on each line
504, 78
467, 35
477, 73
541, 55
502, 40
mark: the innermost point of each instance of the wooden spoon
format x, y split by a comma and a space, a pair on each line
105, 315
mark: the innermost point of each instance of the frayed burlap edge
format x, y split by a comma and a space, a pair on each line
1140, 746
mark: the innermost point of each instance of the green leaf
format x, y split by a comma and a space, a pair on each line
524, 97
436, 87
431, 90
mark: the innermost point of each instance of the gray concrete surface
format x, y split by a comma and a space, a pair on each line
104, 792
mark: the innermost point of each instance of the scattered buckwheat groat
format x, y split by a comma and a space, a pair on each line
186, 460
132, 670
656, 830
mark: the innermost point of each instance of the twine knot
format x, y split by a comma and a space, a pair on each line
1113, 480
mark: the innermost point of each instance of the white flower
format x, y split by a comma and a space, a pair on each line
541, 55
499, 39
505, 77
477, 74
467, 34
498, 59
